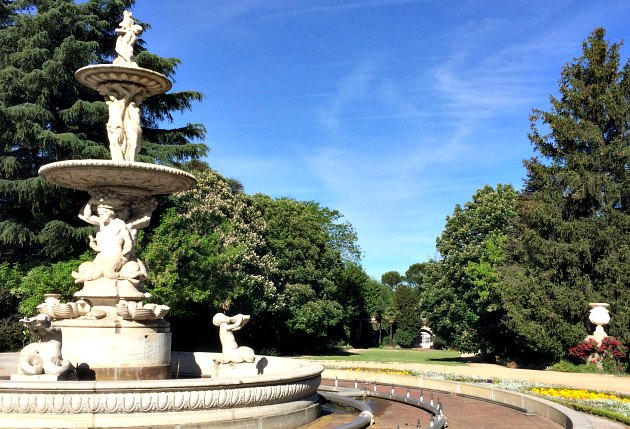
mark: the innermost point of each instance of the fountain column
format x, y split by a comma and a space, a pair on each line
110, 332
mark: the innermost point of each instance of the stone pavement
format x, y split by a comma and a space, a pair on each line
580, 381
462, 412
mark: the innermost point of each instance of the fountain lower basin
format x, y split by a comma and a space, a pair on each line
271, 392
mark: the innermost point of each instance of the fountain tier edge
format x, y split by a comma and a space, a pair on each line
271, 392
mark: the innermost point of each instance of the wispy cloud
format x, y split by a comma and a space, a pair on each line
350, 88
302, 8
389, 111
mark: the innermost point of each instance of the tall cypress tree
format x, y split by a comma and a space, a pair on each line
46, 116
571, 244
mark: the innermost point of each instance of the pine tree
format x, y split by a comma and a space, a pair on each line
571, 242
46, 116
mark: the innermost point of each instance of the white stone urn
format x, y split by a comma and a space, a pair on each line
599, 317
51, 299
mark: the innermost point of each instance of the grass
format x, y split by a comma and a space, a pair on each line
439, 357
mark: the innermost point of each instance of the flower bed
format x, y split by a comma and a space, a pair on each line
609, 405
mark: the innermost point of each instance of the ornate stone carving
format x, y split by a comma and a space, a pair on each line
128, 32
44, 356
139, 311
127, 178
231, 352
155, 400
118, 219
125, 86
298, 382
99, 77
599, 317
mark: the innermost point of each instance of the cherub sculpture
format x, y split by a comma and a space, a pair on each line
232, 353
128, 32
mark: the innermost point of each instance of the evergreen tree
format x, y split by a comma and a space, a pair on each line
408, 316
571, 245
46, 116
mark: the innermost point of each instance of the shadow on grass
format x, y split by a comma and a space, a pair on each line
447, 360
342, 353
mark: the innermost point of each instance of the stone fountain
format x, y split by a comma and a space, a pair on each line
110, 338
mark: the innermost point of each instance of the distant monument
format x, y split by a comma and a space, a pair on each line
426, 335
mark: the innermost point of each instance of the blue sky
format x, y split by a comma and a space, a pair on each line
389, 111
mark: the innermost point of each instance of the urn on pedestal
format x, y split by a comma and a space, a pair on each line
599, 317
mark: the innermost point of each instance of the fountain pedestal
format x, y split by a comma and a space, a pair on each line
121, 337
113, 350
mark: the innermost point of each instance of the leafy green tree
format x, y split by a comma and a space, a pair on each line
378, 299
416, 274
461, 296
53, 278
46, 116
281, 261
207, 255
570, 245
352, 294
315, 273
392, 279
10, 328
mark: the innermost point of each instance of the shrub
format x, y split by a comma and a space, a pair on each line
405, 338
439, 343
611, 354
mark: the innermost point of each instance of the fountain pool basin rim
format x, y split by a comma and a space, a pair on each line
285, 387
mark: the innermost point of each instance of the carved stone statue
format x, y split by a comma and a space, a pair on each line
231, 352
118, 219
132, 128
43, 356
115, 132
128, 32
123, 126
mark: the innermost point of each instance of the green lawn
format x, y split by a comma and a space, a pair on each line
441, 357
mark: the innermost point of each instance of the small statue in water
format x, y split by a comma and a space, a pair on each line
232, 353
